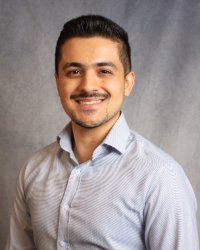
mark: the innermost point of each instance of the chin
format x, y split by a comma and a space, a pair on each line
89, 125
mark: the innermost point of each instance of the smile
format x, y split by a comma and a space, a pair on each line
89, 102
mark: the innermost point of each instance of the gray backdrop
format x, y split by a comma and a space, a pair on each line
164, 106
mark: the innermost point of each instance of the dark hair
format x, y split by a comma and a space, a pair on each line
95, 25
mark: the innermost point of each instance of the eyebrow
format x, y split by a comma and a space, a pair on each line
80, 65
109, 64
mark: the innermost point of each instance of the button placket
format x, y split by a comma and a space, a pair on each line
64, 217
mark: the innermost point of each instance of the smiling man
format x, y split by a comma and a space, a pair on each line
92, 83
100, 185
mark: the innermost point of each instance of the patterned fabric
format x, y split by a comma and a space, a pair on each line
129, 196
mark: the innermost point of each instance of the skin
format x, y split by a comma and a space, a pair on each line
92, 84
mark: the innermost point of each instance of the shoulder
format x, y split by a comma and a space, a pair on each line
43, 155
155, 164
160, 170
149, 153
40, 163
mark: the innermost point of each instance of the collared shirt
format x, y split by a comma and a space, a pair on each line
129, 196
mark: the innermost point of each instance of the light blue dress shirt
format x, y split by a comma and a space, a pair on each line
129, 196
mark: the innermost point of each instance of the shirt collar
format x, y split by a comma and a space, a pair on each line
65, 139
117, 137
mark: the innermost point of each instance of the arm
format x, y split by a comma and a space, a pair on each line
21, 235
170, 212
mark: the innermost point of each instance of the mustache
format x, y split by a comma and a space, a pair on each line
87, 94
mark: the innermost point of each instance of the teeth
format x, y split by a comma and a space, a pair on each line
89, 102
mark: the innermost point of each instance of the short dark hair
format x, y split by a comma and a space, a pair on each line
95, 25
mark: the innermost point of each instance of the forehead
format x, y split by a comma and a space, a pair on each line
90, 49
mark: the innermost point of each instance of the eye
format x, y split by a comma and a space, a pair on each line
73, 73
105, 72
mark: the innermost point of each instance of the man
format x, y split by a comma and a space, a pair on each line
101, 185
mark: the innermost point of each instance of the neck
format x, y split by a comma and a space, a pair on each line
86, 140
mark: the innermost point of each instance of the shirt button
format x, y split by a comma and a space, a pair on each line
66, 207
78, 171
63, 244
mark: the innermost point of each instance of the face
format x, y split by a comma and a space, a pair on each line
91, 81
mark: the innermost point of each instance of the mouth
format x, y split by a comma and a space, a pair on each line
89, 99
87, 102
91, 104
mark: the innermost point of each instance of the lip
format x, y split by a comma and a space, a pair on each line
89, 100
89, 103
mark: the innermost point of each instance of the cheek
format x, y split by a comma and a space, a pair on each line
64, 91
116, 87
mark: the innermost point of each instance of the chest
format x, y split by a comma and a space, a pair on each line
101, 206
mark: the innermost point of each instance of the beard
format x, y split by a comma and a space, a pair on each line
93, 124
91, 119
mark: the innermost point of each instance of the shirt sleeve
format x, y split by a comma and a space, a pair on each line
21, 234
170, 212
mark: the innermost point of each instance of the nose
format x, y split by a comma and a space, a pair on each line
88, 81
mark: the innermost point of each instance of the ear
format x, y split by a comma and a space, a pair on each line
129, 83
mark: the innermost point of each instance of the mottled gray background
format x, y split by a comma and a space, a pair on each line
165, 104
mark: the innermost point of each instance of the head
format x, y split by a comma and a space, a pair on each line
93, 71
91, 26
